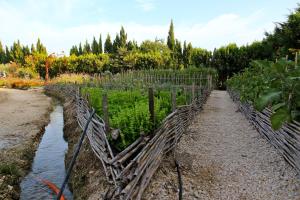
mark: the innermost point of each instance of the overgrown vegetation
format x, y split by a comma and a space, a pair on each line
271, 84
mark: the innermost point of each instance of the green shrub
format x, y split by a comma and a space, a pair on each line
274, 85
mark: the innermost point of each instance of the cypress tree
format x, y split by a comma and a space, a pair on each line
2, 53
26, 51
116, 43
7, 55
108, 46
86, 48
178, 51
16, 52
80, 51
95, 46
184, 55
123, 37
40, 48
100, 48
171, 37
32, 49
74, 50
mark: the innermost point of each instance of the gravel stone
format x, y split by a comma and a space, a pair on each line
221, 156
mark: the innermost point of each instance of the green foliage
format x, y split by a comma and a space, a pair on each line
171, 37
150, 60
40, 48
108, 47
86, 48
28, 73
95, 46
274, 85
88, 63
2, 54
100, 48
9, 169
129, 111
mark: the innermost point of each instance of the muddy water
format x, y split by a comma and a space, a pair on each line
48, 162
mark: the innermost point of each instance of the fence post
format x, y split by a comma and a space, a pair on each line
193, 91
105, 110
207, 82
173, 99
151, 105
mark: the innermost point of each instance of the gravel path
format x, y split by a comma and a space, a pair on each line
223, 157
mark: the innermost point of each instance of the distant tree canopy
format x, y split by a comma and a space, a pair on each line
120, 54
18, 52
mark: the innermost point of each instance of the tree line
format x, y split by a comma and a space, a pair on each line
18, 52
119, 53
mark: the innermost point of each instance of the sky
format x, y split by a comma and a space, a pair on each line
206, 24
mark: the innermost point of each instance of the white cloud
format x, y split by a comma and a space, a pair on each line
146, 5
218, 31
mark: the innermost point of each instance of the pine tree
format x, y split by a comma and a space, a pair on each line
100, 48
108, 46
95, 46
171, 37
80, 51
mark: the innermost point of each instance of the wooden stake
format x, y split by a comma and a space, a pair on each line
105, 111
296, 59
173, 99
193, 91
151, 105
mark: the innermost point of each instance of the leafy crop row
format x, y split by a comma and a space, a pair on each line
274, 85
129, 111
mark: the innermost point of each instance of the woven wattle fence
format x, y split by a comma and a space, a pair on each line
131, 170
286, 140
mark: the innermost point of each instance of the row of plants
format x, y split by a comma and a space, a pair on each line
271, 84
128, 110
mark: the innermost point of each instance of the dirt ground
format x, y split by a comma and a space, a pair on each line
23, 116
22, 112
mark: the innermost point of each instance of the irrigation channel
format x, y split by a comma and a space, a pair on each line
48, 163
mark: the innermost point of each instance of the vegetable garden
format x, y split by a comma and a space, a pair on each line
137, 122
128, 98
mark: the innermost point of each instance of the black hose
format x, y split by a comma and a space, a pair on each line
179, 180
75, 155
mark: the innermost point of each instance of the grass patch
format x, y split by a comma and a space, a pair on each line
9, 169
